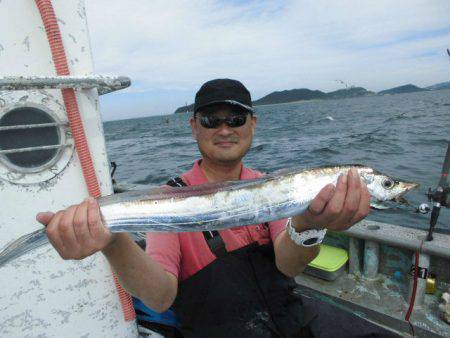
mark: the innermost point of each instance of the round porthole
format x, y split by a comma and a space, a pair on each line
36, 143
30, 139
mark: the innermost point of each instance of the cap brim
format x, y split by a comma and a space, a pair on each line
230, 102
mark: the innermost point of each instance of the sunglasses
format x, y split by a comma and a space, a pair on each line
233, 121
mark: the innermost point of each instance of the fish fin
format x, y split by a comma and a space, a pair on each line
23, 245
379, 206
166, 192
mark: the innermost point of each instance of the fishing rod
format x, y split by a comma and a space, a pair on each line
439, 196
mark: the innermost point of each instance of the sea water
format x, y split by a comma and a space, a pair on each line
403, 135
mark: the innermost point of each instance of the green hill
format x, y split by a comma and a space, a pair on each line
292, 95
349, 93
439, 86
409, 88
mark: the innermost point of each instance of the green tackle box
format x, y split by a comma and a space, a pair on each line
329, 264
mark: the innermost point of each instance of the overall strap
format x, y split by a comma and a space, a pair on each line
176, 182
212, 238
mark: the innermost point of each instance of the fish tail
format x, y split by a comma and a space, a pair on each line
23, 245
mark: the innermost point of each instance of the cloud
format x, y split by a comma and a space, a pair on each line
169, 48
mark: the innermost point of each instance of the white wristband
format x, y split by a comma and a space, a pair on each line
305, 238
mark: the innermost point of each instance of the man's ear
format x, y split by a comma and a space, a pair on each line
253, 123
193, 127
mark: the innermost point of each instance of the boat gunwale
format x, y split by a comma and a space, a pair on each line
401, 237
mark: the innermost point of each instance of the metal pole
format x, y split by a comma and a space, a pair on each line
354, 248
371, 259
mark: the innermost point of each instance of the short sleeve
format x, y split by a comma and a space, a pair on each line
164, 248
276, 227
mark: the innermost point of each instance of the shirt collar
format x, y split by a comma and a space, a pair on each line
196, 176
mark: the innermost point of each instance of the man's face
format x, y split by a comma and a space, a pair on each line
223, 144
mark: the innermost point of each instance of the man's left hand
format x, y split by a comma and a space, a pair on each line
337, 208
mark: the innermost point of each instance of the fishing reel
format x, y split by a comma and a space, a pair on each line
438, 195
424, 208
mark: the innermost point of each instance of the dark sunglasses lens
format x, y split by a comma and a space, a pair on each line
210, 122
236, 121
215, 122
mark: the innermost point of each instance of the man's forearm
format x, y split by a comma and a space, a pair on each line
140, 275
291, 259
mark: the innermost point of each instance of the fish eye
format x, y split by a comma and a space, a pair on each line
388, 183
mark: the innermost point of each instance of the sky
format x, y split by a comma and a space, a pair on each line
170, 48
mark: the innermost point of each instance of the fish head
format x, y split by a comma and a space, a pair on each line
385, 188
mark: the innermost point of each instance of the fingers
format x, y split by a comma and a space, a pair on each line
77, 232
44, 217
364, 205
96, 227
80, 225
341, 207
335, 205
351, 203
320, 201
53, 233
67, 232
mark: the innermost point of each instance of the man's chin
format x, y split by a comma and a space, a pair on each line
228, 156
228, 159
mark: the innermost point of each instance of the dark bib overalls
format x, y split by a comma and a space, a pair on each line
240, 294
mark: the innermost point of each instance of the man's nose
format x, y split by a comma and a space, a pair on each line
224, 129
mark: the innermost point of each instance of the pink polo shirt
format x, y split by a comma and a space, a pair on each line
183, 254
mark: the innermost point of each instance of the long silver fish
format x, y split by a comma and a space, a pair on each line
216, 206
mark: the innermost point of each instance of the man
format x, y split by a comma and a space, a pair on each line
231, 282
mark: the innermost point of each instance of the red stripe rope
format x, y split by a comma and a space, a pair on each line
73, 114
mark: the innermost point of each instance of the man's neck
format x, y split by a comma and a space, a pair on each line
218, 172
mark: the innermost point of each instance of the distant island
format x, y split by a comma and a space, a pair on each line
439, 86
409, 88
184, 109
290, 96
305, 94
349, 93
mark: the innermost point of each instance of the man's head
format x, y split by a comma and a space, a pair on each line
223, 123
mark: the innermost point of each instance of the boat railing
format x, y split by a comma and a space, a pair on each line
365, 258
104, 84
402, 237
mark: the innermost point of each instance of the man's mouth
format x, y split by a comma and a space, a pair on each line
225, 143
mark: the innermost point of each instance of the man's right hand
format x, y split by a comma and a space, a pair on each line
78, 231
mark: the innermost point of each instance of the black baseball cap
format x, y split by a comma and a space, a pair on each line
223, 91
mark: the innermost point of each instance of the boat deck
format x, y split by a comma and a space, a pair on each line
379, 301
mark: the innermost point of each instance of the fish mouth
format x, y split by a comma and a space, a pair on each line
406, 186
400, 200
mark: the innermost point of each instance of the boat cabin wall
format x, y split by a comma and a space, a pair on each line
40, 293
